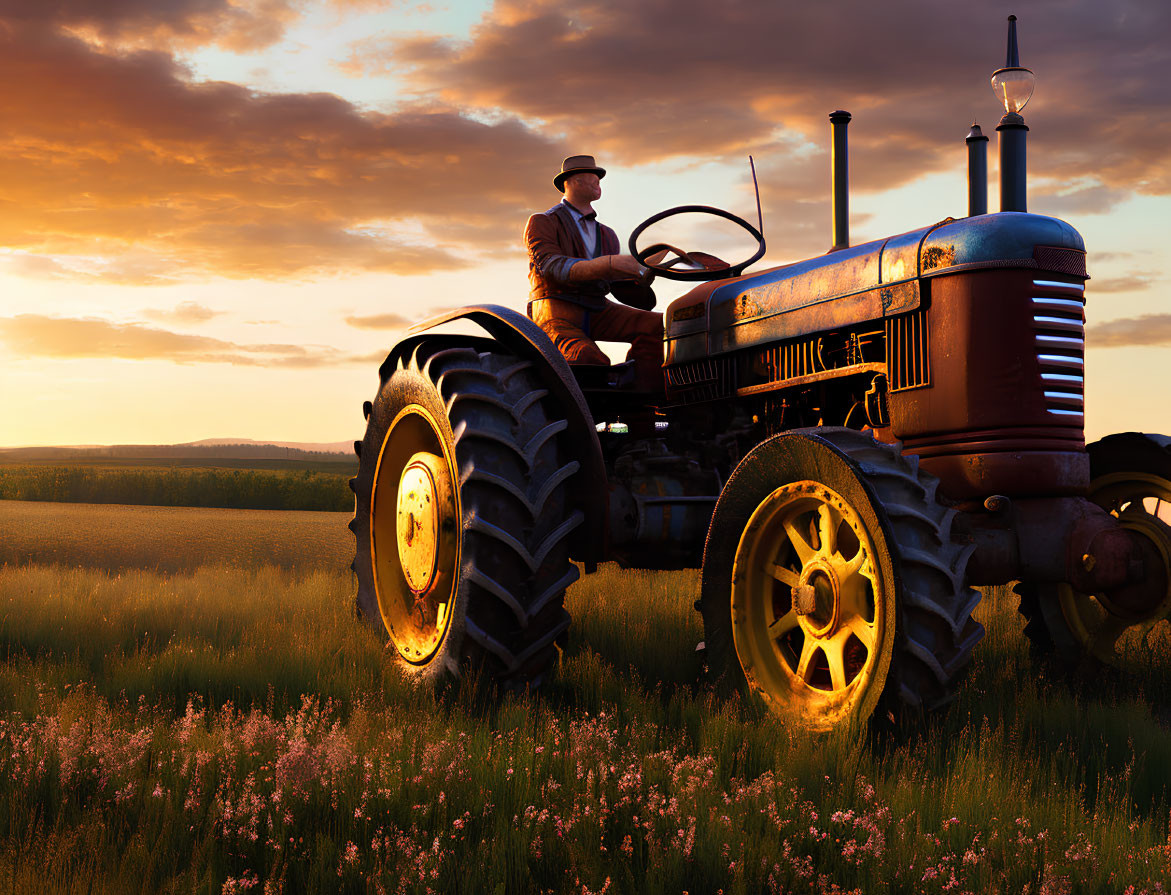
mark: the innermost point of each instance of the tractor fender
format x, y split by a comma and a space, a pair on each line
589, 488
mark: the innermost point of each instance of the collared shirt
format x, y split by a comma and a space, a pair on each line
588, 225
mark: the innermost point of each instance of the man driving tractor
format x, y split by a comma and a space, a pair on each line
574, 261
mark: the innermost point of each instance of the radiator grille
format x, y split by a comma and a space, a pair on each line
791, 360
908, 355
1059, 327
702, 380
1058, 260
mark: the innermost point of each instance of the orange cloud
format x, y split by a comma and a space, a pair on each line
117, 153
1147, 329
36, 335
636, 83
1132, 283
379, 321
237, 25
184, 312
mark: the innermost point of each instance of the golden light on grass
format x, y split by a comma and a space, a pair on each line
234, 726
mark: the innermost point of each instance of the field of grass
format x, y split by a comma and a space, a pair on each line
181, 485
171, 539
233, 728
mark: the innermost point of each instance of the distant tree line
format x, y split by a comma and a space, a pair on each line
256, 489
152, 451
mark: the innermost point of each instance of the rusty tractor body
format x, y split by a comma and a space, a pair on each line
845, 446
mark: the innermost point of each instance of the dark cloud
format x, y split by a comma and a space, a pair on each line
379, 321
238, 25
1147, 329
184, 312
113, 154
36, 335
638, 82
1084, 200
111, 150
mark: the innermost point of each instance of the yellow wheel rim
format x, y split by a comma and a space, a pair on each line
1142, 503
415, 533
813, 621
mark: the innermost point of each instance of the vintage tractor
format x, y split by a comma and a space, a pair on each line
845, 446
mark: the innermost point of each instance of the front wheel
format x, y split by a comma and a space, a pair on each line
831, 586
461, 516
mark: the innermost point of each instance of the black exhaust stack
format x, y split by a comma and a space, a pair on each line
840, 173
977, 171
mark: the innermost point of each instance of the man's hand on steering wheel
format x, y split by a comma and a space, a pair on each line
626, 266
691, 265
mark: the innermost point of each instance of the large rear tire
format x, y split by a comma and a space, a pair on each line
461, 516
1130, 478
831, 586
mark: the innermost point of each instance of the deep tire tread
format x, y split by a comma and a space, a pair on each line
513, 472
935, 631
938, 632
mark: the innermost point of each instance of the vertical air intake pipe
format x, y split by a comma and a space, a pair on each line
977, 171
840, 183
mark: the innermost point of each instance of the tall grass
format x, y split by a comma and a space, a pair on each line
257, 489
236, 729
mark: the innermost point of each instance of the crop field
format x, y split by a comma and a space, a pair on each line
221, 723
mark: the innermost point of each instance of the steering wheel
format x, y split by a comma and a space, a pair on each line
702, 266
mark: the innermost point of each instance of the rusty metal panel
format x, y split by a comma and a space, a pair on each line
810, 378
897, 298
687, 348
841, 312
792, 287
900, 256
862, 283
1002, 411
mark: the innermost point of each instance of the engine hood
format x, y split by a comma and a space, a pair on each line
853, 285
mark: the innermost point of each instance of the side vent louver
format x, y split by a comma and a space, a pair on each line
1059, 325
701, 380
908, 354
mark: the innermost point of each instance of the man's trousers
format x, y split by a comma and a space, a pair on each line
575, 332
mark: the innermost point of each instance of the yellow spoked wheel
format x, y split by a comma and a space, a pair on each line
831, 585
1131, 480
462, 516
415, 534
813, 623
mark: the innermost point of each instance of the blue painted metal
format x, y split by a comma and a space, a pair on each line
879, 279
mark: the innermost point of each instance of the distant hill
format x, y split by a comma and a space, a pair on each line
210, 448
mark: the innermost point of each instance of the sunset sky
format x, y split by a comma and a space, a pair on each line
216, 216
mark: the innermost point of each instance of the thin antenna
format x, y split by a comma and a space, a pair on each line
759, 215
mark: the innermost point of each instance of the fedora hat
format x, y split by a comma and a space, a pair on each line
577, 164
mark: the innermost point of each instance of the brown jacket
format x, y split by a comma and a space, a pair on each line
554, 242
